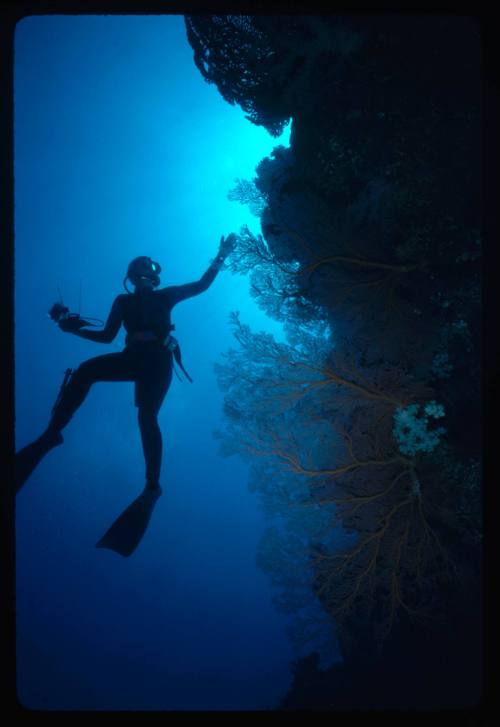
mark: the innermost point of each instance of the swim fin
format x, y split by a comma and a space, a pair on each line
29, 457
127, 531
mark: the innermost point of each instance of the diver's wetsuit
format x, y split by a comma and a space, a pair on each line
146, 360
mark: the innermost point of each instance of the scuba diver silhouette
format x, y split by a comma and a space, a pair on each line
147, 359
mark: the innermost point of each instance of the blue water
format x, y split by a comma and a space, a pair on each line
121, 149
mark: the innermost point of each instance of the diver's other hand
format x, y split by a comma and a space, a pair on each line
70, 324
226, 246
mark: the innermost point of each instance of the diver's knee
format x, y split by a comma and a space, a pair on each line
147, 416
82, 373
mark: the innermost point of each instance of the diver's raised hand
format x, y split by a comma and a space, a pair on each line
226, 246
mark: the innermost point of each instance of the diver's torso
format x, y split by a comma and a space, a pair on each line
146, 310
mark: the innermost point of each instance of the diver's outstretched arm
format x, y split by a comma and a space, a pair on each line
110, 329
177, 293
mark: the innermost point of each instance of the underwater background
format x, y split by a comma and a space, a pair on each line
318, 542
121, 149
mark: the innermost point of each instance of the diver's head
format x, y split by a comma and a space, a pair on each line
143, 273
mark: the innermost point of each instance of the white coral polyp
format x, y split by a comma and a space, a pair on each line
411, 428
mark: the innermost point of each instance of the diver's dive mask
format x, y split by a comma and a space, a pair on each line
143, 267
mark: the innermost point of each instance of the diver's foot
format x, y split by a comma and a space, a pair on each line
28, 458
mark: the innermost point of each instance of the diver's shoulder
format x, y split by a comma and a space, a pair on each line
163, 291
121, 300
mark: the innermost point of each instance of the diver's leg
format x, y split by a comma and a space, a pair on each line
152, 444
151, 388
110, 367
